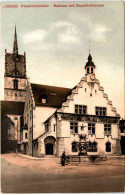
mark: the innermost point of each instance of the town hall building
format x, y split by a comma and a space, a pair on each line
54, 117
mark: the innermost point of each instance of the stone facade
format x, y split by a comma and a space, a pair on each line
14, 97
15, 75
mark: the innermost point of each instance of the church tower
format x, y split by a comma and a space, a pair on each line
15, 74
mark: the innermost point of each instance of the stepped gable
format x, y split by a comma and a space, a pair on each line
54, 95
74, 91
11, 107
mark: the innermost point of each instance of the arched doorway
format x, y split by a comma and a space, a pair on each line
49, 145
49, 149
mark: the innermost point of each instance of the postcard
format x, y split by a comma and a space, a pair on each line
62, 97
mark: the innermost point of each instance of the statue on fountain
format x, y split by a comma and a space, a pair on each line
82, 145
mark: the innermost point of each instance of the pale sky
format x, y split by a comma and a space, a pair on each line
56, 44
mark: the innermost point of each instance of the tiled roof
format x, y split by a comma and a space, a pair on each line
54, 95
10, 65
11, 107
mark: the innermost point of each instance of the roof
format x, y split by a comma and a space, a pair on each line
10, 62
11, 107
54, 95
90, 62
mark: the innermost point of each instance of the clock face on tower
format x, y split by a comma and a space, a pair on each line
92, 77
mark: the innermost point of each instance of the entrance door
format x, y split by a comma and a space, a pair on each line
49, 149
123, 145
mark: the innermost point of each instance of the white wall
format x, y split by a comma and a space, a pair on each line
84, 98
41, 114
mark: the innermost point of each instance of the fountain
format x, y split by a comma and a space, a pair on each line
82, 147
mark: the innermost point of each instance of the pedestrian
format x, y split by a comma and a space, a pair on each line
63, 158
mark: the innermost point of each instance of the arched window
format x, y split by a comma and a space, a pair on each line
91, 69
74, 147
108, 147
90, 147
94, 146
88, 70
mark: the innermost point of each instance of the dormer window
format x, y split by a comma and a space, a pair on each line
43, 100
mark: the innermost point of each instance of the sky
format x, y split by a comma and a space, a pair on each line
56, 42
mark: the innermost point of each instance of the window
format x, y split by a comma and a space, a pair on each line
88, 70
122, 130
15, 94
108, 147
74, 147
27, 117
54, 127
26, 136
47, 127
85, 89
37, 145
9, 130
80, 109
92, 147
15, 82
91, 128
101, 111
43, 100
25, 120
91, 69
74, 127
21, 135
29, 103
30, 114
107, 129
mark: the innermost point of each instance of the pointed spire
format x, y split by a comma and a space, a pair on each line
89, 57
90, 62
15, 45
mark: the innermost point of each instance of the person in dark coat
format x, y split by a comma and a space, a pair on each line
63, 158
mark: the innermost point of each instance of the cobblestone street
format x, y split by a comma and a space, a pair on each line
22, 175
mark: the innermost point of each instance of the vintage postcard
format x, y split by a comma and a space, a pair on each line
62, 97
